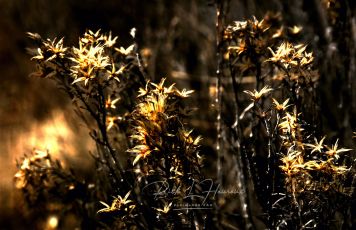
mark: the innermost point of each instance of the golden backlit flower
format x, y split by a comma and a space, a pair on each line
117, 204
110, 122
258, 25
293, 163
291, 55
238, 28
239, 49
257, 95
295, 29
126, 51
280, 107
109, 41
184, 93
165, 209
90, 37
142, 152
312, 165
318, 146
152, 118
186, 136
282, 53
329, 167
159, 87
143, 92
38, 158
289, 124
154, 108
242, 28
85, 76
115, 73
339, 169
88, 62
306, 59
334, 151
169, 90
55, 48
239, 25
110, 104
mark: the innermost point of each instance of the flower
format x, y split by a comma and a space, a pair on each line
143, 92
126, 51
334, 152
318, 146
159, 87
115, 73
238, 49
184, 93
282, 54
165, 209
117, 204
295, 29
312, 165
280, 107
110, 42
142, 150
110, 104
289, 124
256, 95
291, 55
90, 37
293, 163
88, 61
186, 136
110, 122
55, 48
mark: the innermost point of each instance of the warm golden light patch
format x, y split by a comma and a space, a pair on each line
52, 222
54, 135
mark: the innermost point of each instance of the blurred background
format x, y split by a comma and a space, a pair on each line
178, 40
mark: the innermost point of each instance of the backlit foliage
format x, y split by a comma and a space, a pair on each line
277, 125
140, 131
148, 161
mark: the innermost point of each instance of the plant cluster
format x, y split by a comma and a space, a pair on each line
148, 163
275, 134
165, 162
41, 177
147, 160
